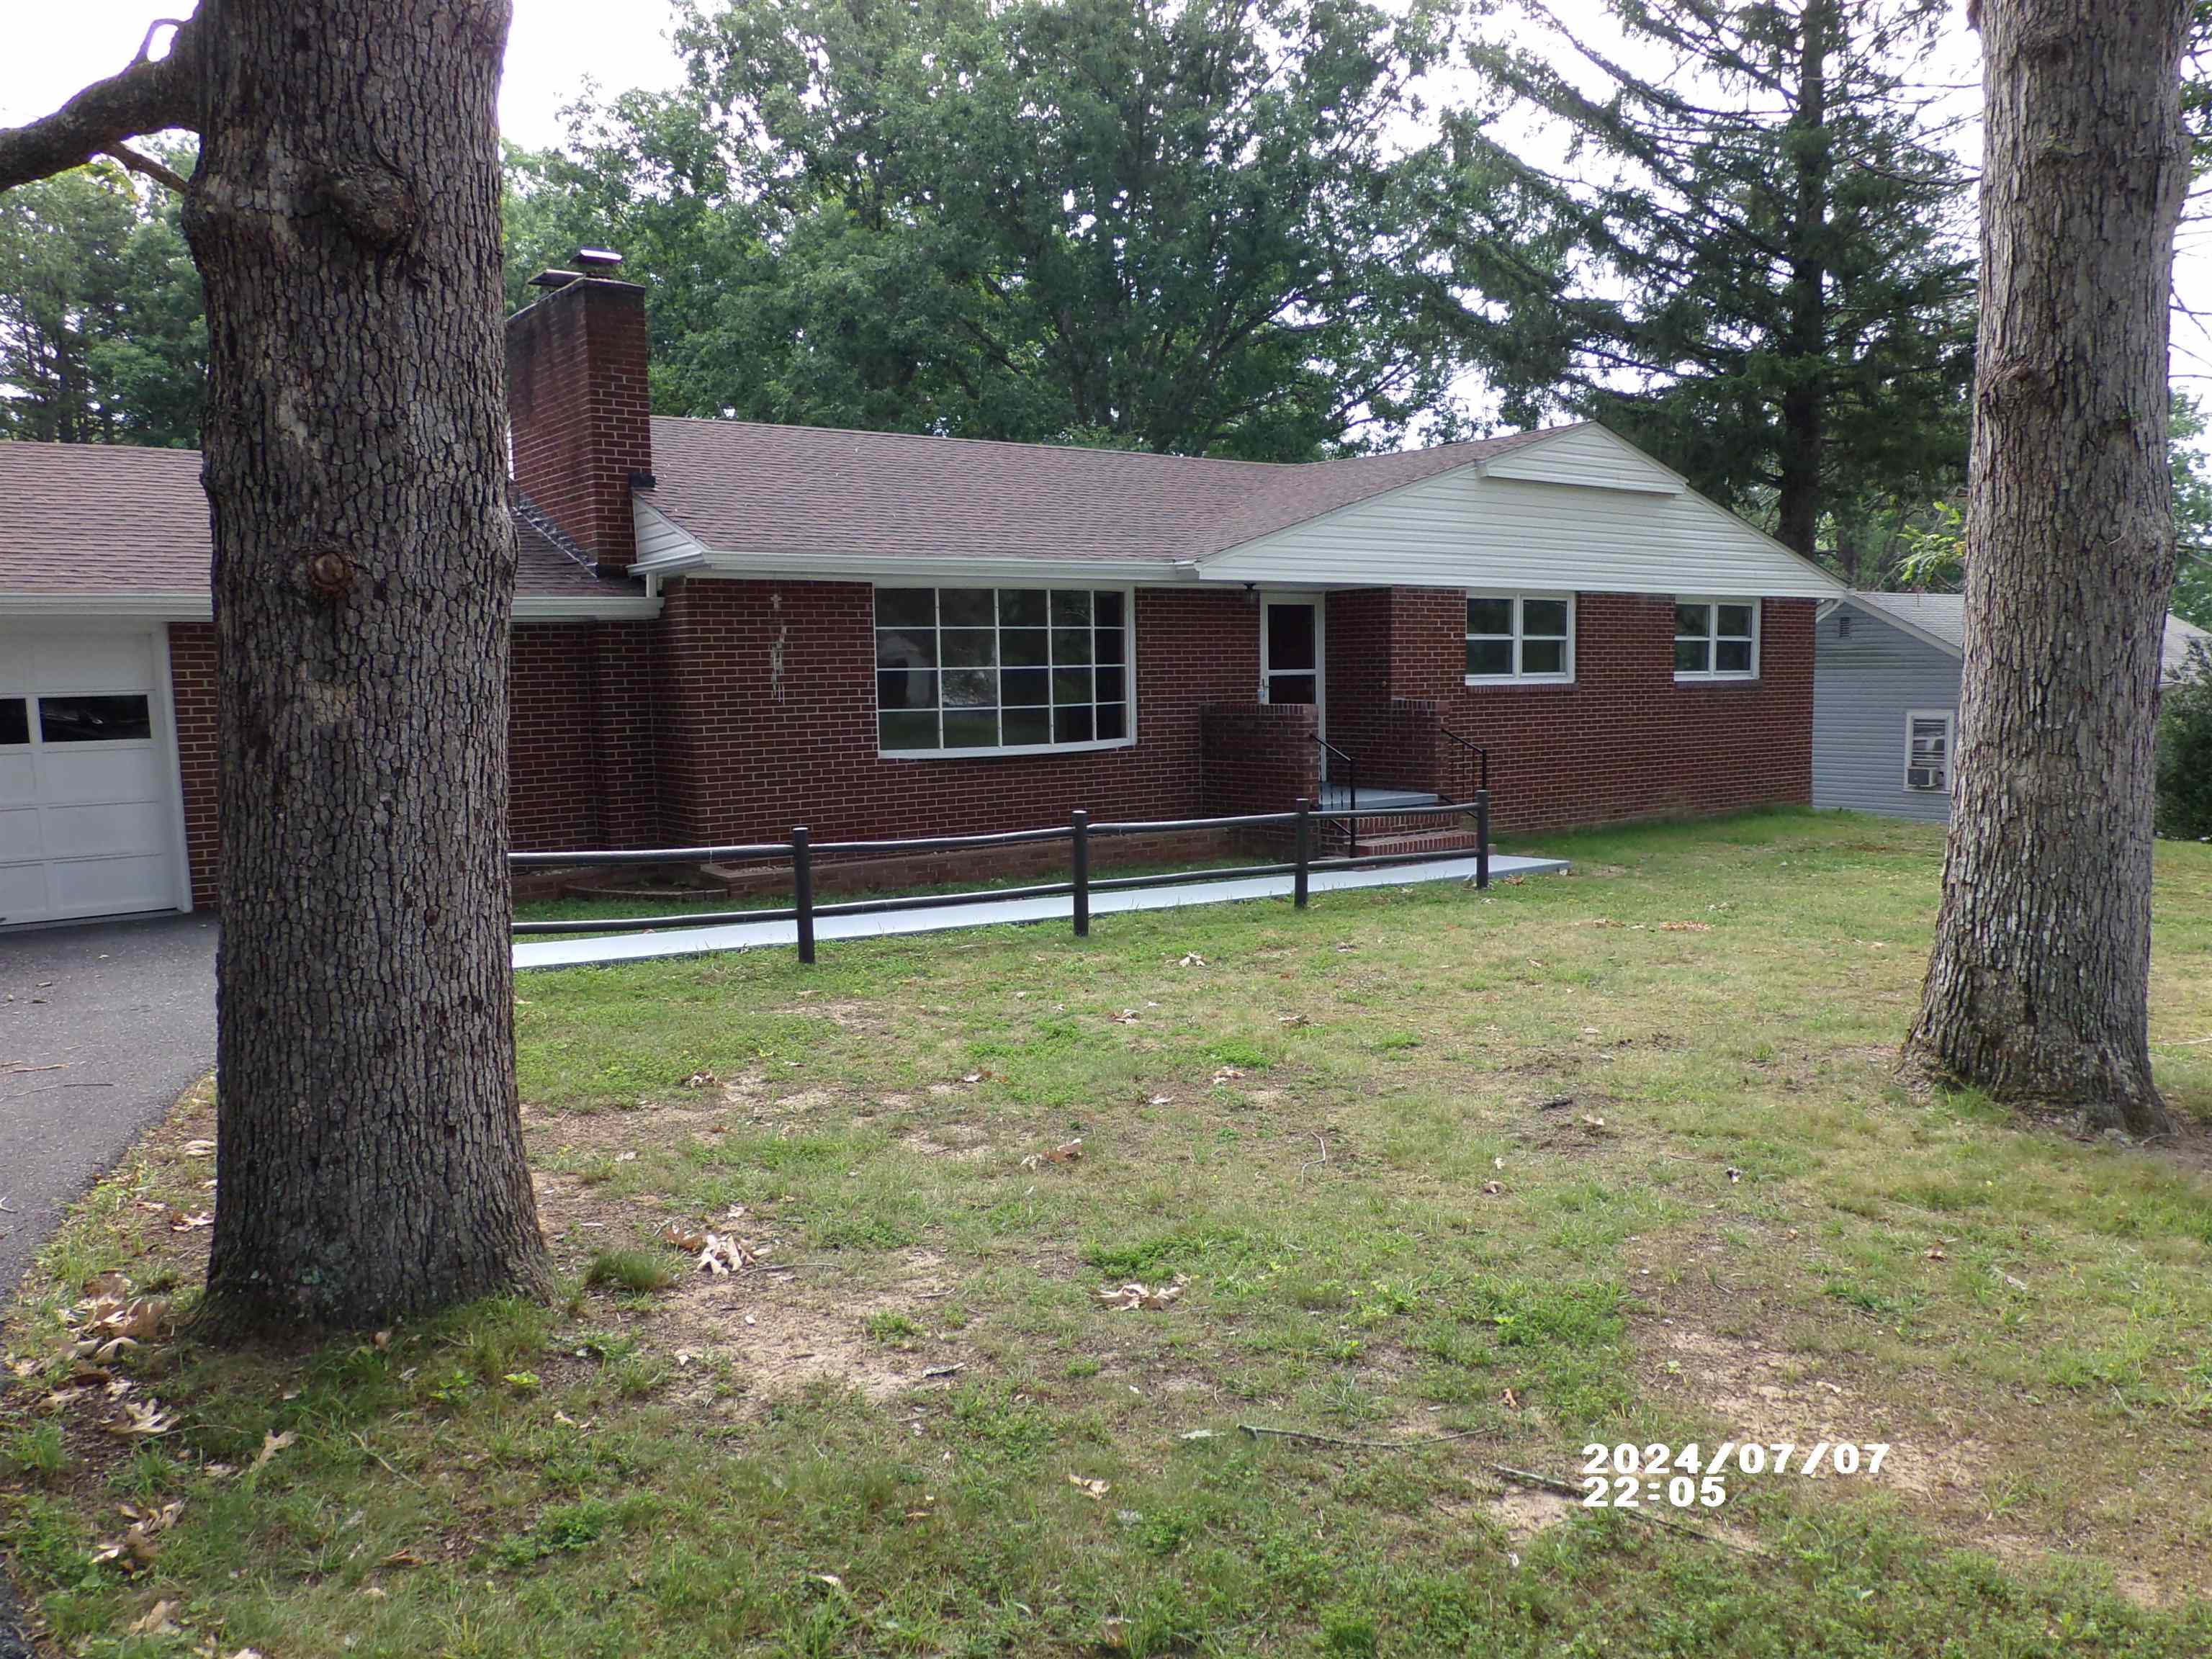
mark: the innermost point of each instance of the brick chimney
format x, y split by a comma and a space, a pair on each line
578, 406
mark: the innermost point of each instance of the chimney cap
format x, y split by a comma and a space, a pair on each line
551, 279
598, 259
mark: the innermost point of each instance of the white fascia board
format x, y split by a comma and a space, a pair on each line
161, 606
1926, 636
863, 567
552, 607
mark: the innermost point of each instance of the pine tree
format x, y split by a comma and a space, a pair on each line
1773, 291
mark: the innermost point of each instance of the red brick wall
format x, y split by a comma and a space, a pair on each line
580, 412
1258, 758
1625, 741
580, 737
766, 700
191, 683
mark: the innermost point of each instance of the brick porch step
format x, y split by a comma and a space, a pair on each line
1387, 844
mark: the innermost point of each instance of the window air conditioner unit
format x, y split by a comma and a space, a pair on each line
1924, 777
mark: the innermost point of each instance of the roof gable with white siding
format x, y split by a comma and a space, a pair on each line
1584, 512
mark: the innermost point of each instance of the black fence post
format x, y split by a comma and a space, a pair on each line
802, 883
1304, 854
1482, 838
1079, 833
1351, 823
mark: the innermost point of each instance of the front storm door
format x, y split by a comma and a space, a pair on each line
1290, 649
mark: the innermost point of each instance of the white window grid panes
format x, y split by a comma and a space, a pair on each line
1520, 637
1716, 639
985, 670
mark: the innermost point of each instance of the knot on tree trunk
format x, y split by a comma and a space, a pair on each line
329, 572
378, 208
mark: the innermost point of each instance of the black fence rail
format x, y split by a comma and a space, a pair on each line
801, 849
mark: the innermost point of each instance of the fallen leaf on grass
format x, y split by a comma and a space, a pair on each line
271, 1443
143, 1420
1192, 959
1126, 1017
1591, 1120
1161, 1100
199, 1149
1091, 1489
724, 1254
1492, 1189
1133, 1295
1068, 1151
701, 1080
1227, 1073
1935, 1253
683, 1238
160, 1619
180, 1222
1686, 928
1292, 1020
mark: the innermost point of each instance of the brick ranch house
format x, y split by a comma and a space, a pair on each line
723, 630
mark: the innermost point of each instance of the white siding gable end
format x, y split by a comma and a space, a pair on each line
1589, 456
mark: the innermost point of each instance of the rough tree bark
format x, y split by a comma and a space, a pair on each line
2038, 988
344, 215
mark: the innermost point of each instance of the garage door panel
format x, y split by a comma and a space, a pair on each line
134, 827
84, 886
88, 778
93, 662
23, 892
88, 773
22, 835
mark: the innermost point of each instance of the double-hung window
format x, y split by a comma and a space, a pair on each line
1513, 638
996, 670
1928, 735
1716, 639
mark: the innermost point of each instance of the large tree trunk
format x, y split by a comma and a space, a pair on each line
2039, 989
345, 216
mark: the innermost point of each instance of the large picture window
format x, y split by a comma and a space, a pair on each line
1716, 639
967, 671
1512, 637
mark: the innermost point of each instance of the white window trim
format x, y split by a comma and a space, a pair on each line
1712, 602
1516, 677
1950, 719
1094, 746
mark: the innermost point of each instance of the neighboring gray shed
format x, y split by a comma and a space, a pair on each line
1886, 700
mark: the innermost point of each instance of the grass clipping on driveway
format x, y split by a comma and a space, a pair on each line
918, 1299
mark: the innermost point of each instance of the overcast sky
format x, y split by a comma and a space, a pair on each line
52, 49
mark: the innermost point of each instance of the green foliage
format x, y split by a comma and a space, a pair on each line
2185, 753
639, 1271
1772, 289
1199, 229
102, 336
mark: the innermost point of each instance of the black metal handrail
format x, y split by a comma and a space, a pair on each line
1350, 789
1482, 780
802, 850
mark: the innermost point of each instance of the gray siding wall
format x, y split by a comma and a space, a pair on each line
1862, 688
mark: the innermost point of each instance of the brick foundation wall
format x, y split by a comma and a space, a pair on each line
766, 719
1258, 758
192, 687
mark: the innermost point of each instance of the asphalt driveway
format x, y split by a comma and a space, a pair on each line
101, 1028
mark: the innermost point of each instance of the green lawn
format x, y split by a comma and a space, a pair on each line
1614, 1156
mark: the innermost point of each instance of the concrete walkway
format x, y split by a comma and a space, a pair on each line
541, 951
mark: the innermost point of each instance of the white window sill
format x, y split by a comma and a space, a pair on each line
1091, 748
1517, 679
1715, 679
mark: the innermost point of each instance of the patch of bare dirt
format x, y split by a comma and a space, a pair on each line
960, 1141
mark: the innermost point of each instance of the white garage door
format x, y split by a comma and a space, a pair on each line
87, 787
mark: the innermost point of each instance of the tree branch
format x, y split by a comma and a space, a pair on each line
149, 96
147, 166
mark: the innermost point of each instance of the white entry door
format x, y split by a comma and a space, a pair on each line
88, 812
1292, 654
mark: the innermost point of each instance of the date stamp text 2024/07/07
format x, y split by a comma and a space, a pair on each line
1629, 1476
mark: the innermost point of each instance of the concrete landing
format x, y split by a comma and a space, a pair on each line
987, 912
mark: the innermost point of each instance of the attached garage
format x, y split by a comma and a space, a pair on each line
90, 818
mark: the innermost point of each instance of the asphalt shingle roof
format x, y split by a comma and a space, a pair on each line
762, 490
1944, 614
108, 519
